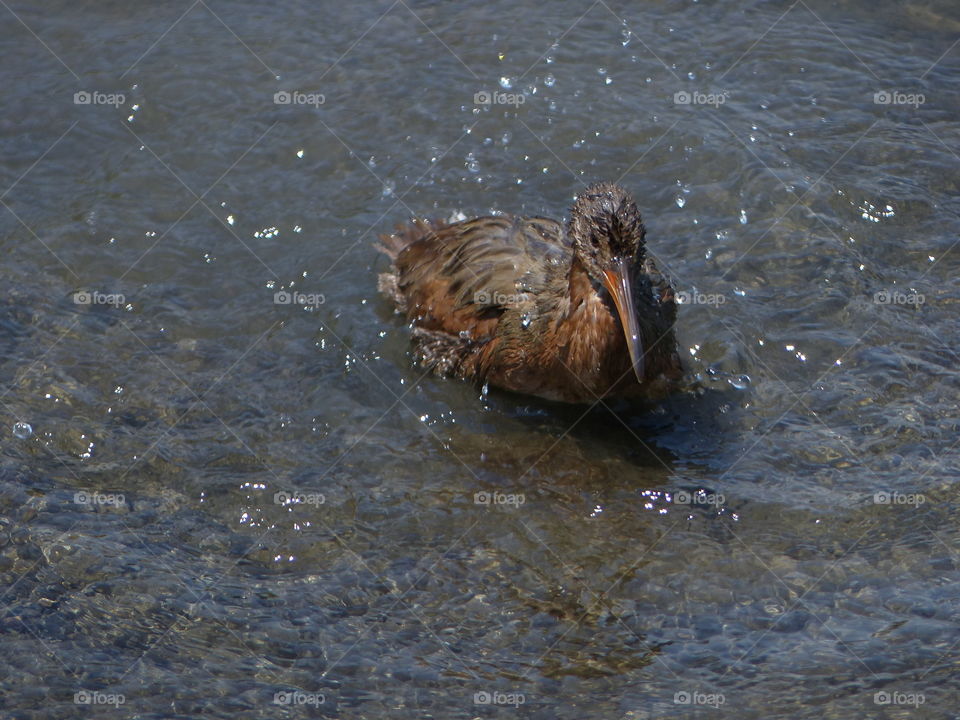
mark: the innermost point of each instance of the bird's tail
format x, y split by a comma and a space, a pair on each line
405, 235
392, 245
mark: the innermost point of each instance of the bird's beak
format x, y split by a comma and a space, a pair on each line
618, 284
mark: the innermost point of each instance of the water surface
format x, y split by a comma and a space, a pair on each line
781, 543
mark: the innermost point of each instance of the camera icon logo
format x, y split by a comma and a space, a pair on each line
682, 97
482, 98
282, 97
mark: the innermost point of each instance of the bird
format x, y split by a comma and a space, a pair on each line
573, 312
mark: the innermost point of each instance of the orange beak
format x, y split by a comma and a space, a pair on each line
618, 284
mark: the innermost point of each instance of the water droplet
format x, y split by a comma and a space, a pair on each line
506, 82
388, 187
525, 320
230, 219
739, 382
471, 162
22, 430
549, 80
681, 201
743, 217
299, 153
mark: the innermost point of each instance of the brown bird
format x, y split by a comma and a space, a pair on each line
572, 314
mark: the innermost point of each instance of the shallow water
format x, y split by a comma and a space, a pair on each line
780, 543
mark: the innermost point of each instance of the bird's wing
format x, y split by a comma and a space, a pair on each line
461, 278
